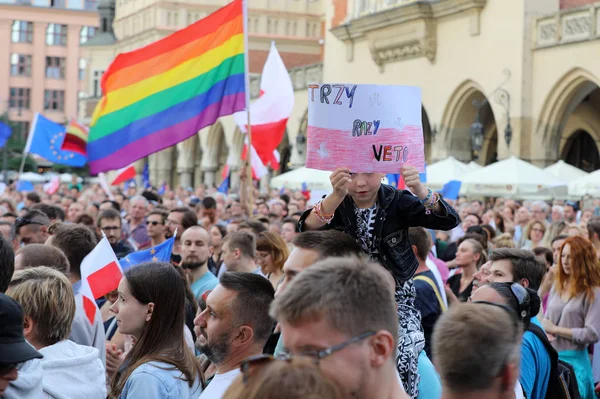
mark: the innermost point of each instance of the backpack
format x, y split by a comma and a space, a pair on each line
562, 384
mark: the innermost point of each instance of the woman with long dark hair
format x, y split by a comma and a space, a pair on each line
573, 312
151, 308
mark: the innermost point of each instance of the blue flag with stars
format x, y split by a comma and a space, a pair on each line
45, 139
159, 253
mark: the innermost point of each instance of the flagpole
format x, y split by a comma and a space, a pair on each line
28, 144
248, 164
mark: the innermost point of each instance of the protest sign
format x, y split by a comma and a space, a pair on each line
367, 128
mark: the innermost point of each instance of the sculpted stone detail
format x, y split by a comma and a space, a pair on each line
568, 26
576, 27
547, 32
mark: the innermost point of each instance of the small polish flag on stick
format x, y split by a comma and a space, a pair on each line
52, 186
124, 174
100, 274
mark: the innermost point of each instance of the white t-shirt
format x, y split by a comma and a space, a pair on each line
219, 384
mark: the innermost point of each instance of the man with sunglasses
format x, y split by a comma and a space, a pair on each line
109, 222
156, 225
509, 265
476, 347
32, 228
341, 312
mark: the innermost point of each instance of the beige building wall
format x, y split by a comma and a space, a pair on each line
75, 14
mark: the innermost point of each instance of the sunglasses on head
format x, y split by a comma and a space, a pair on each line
523, 299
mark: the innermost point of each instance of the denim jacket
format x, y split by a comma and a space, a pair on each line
397, 210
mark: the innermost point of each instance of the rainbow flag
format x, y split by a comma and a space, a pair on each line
164, 93
76, 138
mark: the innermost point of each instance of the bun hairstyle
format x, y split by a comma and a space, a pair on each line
534, 301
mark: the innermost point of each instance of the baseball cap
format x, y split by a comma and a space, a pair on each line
13, 346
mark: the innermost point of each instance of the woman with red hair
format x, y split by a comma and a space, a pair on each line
573, 313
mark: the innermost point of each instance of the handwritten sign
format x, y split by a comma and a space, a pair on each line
367, 128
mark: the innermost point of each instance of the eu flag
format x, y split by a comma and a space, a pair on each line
5, 132
45, 139
159, 253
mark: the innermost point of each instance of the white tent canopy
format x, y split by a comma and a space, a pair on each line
446, 170
586, 185
510, 177
314, 179
32, 177
474, 165
564, 172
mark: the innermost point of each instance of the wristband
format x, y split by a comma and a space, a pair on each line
326, 219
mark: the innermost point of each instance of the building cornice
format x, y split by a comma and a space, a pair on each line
404, 31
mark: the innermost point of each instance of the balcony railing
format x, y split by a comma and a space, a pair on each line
366, 7
568, 26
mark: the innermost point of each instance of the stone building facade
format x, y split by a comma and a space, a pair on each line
498, 77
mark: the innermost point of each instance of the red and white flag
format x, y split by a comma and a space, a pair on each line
269, 114
52, 186
124, 174
100, 274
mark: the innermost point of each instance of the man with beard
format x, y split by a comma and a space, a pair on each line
234, 326
179, 219
195, 242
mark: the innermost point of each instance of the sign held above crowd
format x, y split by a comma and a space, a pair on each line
371, 128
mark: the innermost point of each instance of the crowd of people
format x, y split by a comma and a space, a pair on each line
371, 292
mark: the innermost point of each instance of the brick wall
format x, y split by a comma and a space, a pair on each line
564, 4
340, 9
291, 60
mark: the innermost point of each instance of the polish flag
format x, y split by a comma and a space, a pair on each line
270, 112
100, 274
258, 167
52, 186
124, 174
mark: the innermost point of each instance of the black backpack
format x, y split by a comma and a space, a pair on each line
562, 384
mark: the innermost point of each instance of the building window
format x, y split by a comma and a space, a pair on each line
54, 100
20, 64
57, 3
104, 25
56, 35
97, 88
90, 5
269, 23
87, 32
19, 97
22, 32
82, 68
55, 67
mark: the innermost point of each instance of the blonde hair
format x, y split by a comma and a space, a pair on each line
299, 378
504, 241
46, 297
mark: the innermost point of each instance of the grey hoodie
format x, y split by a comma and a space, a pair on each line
72, 371
28, 384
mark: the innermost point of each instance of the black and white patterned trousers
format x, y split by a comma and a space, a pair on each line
411, 340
